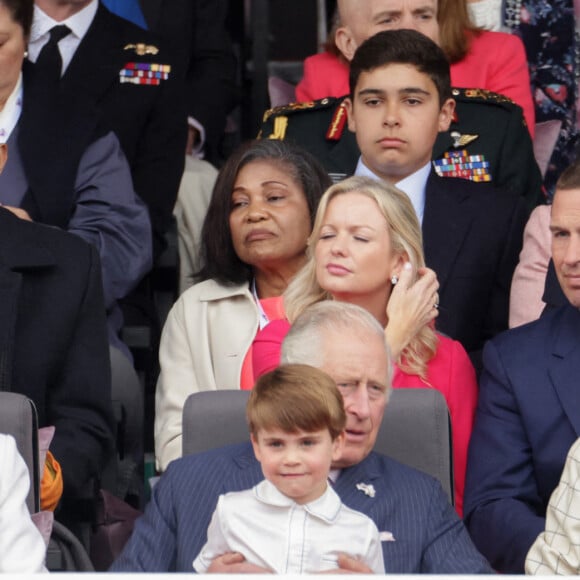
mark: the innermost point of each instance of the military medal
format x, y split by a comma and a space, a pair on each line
462, 164
144, 73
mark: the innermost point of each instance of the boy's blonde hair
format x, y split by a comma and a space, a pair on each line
296, 397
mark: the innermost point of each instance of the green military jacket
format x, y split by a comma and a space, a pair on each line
488, 140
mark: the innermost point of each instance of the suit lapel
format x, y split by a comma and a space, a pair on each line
97, 62
152, 12
564, 369
366, 472
49, 124
16, 254
446, 223
443, 143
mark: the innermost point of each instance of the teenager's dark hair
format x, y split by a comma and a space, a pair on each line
21, 12
402, 47
220, 261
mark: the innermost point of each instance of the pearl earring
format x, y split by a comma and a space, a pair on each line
394, 279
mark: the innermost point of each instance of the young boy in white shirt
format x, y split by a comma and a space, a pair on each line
293, 522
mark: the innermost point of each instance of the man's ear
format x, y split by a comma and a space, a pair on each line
345, 42
446, 114
348, 105
3, 155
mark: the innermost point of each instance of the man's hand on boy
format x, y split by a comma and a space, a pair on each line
349, 565
234, 563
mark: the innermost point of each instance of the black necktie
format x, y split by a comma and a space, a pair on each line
49, 62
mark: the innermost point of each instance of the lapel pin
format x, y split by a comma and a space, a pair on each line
141, 48
366, 488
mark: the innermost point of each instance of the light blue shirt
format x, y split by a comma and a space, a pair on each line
414, 185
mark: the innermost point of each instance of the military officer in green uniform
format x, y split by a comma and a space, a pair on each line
487, 140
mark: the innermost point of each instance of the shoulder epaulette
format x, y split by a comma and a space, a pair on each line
293, 107
481, 95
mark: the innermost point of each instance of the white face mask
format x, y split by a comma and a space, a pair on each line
486, 14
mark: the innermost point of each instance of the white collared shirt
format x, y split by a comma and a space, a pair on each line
413, 185
271, 530
79, 23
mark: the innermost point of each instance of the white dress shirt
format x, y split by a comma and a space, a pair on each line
79, 23
273, 531
414, 185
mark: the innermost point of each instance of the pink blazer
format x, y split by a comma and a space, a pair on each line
450, 372
496, 62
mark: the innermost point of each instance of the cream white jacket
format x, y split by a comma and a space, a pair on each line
556, 550
22, 549
203, 345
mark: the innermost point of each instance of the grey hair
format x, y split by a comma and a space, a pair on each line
303, 343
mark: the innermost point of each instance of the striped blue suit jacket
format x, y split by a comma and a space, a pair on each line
428, 535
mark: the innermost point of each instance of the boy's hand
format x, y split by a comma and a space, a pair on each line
234, 563
349, 565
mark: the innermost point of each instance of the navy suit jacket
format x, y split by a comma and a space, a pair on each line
53, 343
527, 418
196, 32
428, 535
472, 235
149, 120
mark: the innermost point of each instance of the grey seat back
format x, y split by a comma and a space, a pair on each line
18, 418
415, 430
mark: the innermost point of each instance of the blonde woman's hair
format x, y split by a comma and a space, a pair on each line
406, 238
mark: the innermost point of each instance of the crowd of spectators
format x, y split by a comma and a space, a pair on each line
372, 230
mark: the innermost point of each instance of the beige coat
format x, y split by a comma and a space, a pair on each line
203, 345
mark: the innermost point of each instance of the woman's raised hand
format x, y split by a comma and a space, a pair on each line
411, 306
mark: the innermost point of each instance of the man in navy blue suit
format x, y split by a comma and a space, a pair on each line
420, 530
528, 414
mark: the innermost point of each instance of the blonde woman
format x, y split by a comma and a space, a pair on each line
366, 249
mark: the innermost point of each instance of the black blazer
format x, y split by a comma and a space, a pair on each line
472, 235
53, 342
149, 120
196, 32
54, 132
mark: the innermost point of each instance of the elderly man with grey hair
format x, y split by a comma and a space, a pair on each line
420, 531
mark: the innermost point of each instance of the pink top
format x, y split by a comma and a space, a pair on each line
274, 309
450, 372
496, 61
